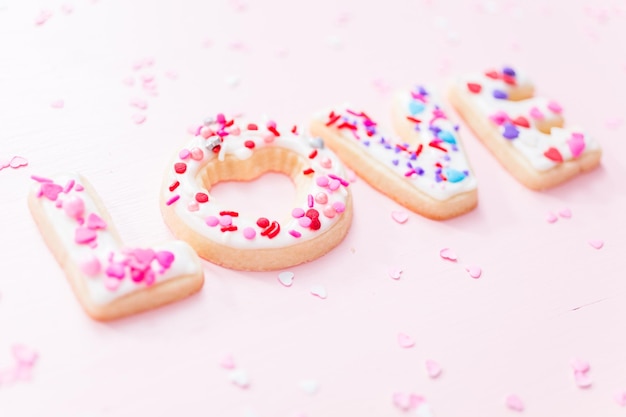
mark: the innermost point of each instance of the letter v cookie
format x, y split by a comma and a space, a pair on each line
525, 133
426, 170
110, 280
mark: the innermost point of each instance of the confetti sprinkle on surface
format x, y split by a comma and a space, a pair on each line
286, 278
448, 254
515, 403
400, 216
474, 271
405, 341
319, 291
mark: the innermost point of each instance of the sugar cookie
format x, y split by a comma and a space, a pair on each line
226, 150
426, 171
525, 133
110, 281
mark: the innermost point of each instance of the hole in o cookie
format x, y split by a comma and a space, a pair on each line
272, 195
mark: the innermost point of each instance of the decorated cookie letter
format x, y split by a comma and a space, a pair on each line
425, 170
110, 280
525, 133
225, 150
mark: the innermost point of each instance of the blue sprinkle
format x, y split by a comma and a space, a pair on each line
415, 107
502, 95
395, 162
454, 176
447, 137
508, 71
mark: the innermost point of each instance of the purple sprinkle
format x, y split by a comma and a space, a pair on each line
510, 131
417, 127
500, 94
466, 172
446, 157
172, 200
435, 129
366, 142
457, 127
419, 171
508, 71
409, 165
422, 90
397, 149
395, 162
438, 178
413, 157
387, 146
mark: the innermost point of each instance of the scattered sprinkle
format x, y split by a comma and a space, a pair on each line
139, 118
448, 254
16, 162
309, 386
57, 104
513, 402
582, 379
319, 291
139, 103
286, 278
620, 398
551, 217
596, 244
394, 272
474, 271
228, 362
580, 365
565, 213
400, 216
42, 17
433, 369
405, 341
239, 377
408, 402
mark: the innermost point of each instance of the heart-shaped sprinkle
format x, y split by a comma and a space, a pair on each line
513, 402
50, 190
433, 369
139, 103
286, 278
620, 398
553, 154
596, 243
499, 118
551, 217
510, 131
4, 163
580, 365
17, 162
84, 235
576, 145
319, 291
24, 355
193, 206
112, 284
91, 267
565, 213
474, 271
139, 118
536, 114
239, 377
448, 254
228, 362
555, 107
405, 341
521, 121
309, 386
165, 258
143, 256
326, 162
394, 272
407, 402
474, 87
74, 207
582, 379
400, 216
57, 104
95, 222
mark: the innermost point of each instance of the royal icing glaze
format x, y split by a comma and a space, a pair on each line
109, 269
520, 119
436, 166
322, 188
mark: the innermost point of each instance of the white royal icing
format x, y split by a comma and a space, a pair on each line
201, 216
541, 150
105, 246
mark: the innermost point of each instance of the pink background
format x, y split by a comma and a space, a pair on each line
545, 295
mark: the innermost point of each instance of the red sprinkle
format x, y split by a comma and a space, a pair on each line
174, 185
521, 121
262, 222
474, 88
554, 155
419, 150
413, 119
346, 125
294, 130
249, 144
180, 167
202, 198
308, 171
508, 79
315, 224
332, 119
312, 213
229, 213
492, 74
273, 130
274, 232
313, 154
230, 228
217, 148
435, 145
252, 126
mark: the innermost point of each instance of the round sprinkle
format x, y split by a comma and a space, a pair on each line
312, 213
334, 184
297, 213
555, 107
339, 207
184, 154
508, 71
202, 198
499, 94
226, 220
249, 144
596, 244
304, 221
321, 198
322, 181
212, 221
180, 167
197, 154
262, 222
513, 402
329, 211
249, 233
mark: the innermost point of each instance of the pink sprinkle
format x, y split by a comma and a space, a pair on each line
321, 181
79, 188
551, 217
165, 258
295, 233
536, 114
139, 103
405, 341
304, 221
24, 355
112, 284
197, 154
407, 402
565, 213
171, 74
17, 162
474, 271
193, 206
596, 244
43, 17
321, 198
91, 267
334, 185
139, 118
50, 190
128, 81
69, 186
228, 362
4, 163
555, 107
433, 369
184, 154
84, 235
310, 201
582, 379
580, 365
513, 402
172, 200
95, 222
448, 254
249, 233
329, 211
57, 104
212, 221
74, 207
620, 398
226, 220
400, 216
40, 179
116, 270
339, 207
297, 213
394, 272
